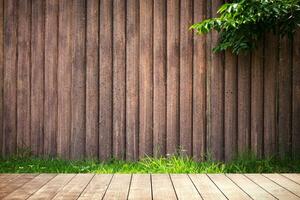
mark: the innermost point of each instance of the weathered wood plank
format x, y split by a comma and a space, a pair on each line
207, 189
37, 76
16, 183
199, 85
159, 76
75, 187
78, 80
23, 76
285, 183
216, 136
49, 190
252, 189
271, 187
30, 187
270, 78
257, 101
244, 102
140, 187
97, 187
1, 72
132, 80
119, 187
231, 190
64, 79
231, 98
284, 97
10, 77
105, 78
162, 187
293, 177
186, 77
92, 79
119, 79
146, 79
296, 96
172, 76
51, 87
8, 178
184, 187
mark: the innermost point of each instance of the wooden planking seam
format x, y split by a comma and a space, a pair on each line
195, 186
216, 186
108, 186
86, 186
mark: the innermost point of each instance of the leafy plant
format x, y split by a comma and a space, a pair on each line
241, 23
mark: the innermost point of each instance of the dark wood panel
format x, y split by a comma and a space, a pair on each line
119, 77
146, 79
64, 78
186, 77
23, 76
199, 85
105, 80
132, 79
159, 75
92, 79
172, 76
1, 72
10, 77
51, 87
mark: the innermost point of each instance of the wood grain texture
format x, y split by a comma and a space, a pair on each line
119, 187
132, 79
186, 78
92, 79
173, 76
23, 76
146, 79
162, 187
270, 79
10, 77
78, 80
64, 75
51, 87
119, 79
257, 100
159, 77
284, 97
105, 80
140, 187
296, 96
199, 85
184, 187
244, 102
1, 72
230, 106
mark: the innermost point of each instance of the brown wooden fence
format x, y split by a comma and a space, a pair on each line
116, 78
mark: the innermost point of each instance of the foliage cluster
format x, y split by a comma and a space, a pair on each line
241, 23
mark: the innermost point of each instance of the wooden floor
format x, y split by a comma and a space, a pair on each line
150, 186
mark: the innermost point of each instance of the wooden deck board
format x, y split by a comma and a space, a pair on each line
149, 186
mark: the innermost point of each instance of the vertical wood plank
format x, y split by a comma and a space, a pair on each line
199, 85
186, 77
296, 96
159, 75
146, 78
119, 78
119, 187
105, 78
270, 78
64, 78
244, 113
162, 187
216, 140
284, 97
92, 77
23, 74
78, 80
132, 79
37, 76
1, 73
51, 53
172, 76
10, 76
257, 102
140, 187
230, 121
184, 187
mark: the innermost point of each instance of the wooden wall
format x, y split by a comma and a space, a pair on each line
125, 79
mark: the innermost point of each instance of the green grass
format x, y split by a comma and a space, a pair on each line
176, 164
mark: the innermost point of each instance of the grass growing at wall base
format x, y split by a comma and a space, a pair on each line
245, 164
